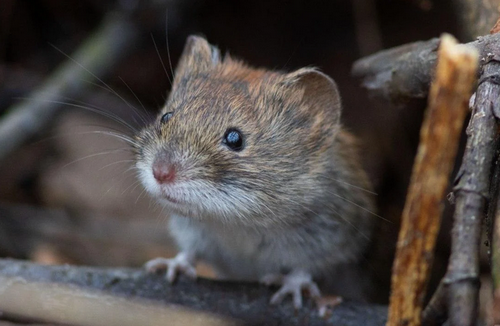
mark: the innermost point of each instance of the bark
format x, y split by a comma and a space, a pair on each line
405, 72
113, 293
472, 190
439, 138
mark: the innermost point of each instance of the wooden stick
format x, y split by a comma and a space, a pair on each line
439, 137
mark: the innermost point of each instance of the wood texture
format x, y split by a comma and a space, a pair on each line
126, 288
439, 137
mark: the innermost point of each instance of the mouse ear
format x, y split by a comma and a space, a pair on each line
198, 56
321, 95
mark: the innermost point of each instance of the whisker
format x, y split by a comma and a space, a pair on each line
351, 185
359, 206
134, 184
114, 163
143, 116
88, 108
92, 155
168, 47
135, 95
93, 75
161, 60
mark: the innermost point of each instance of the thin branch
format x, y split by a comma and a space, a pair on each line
436, 311
439, 138
121, 288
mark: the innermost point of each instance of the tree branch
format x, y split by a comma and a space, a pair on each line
405, 72
245, 302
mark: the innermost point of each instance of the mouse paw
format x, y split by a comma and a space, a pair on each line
292, 284
182, 263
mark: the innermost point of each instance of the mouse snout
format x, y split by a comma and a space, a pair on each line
163, 170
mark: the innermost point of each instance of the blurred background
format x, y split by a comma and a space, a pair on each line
70, 194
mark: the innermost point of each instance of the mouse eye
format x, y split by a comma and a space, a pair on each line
164, 118
233, 139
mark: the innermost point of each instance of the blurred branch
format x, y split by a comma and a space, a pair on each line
242, 301
476, 17
439, 138
97, 56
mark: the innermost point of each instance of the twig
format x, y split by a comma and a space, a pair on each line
98, 54
439, 138
242, 301
436, 311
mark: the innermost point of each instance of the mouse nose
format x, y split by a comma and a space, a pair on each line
163, 170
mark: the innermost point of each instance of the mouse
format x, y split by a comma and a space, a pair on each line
259, 176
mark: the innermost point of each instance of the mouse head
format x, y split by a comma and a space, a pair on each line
239, 144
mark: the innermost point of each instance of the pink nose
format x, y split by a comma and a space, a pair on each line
163, 172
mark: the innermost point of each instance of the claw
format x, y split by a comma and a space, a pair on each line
182, 263
292, 284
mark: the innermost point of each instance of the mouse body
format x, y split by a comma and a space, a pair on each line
261, 179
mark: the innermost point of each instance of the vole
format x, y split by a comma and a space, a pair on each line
262, 181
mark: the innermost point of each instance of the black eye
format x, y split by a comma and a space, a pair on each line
164, 118
233, 139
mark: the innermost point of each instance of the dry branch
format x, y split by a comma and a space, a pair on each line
405, 72
439, 138
246, 302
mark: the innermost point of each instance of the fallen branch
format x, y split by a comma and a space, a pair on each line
245, 302
405, 72
439, 138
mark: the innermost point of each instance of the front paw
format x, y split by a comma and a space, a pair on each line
182, 263
292, 284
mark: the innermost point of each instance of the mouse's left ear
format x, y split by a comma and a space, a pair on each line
198, 56
320, 93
